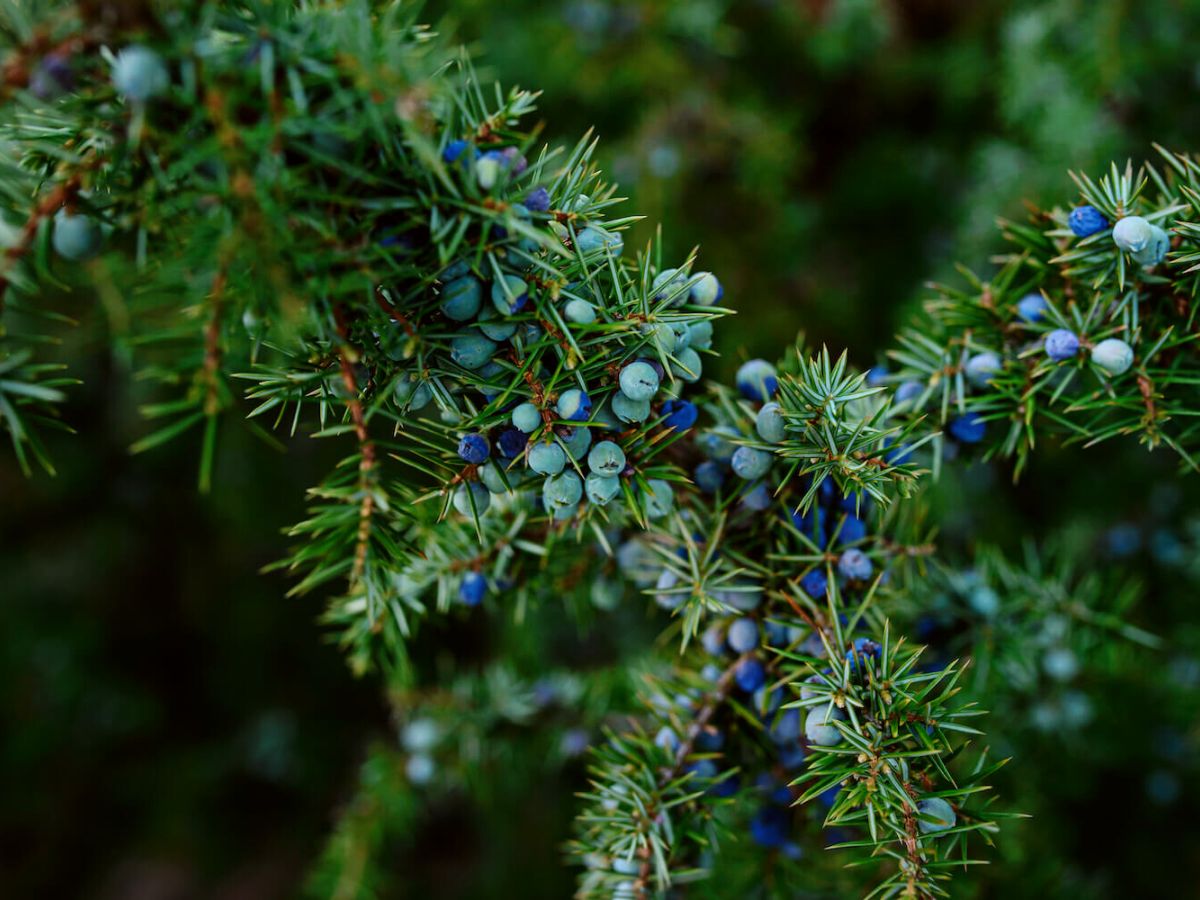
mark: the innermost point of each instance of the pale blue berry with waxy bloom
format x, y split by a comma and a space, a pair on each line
687, 365
665, 596
659, 499
1155, 250
420, 769
639, 381
593, 238
527, 417
1132, 233
909, 391
982, 367
668, 740
1113, 355
819, 727
934, 814
769, 423
750, 463
472, 499
139, 73
412, 393
743, 635
705, 290
493, 326
701, 334
606, 458
630, 411
855, 565
462, 298
547, 459
493, 480
472, 351
576, 441
670, 284
509, 294
562, 513
487, 170
562, 490
76, 237
601, 489
579, 312
708, 476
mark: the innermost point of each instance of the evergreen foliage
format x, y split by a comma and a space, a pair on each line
315, 220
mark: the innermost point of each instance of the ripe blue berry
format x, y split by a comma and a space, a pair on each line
606, 458
512, 442
757, 380
1032, 307
472, 351
751, 464
819, 727
639, 381
75, 237
472, 499
743, 636
935, 814
815, 584
538, 200
420, 769
1113, 355
855, 565
705, 289
709, 477
547, 459
1086, 220
659, 499
769, 826
630, 410
601, 489
139, 74
462, 298
1061, 344
769, 423
574, 405
527, 418
981, 367
1132, 233
853, 529
679, 414
454, 150
509, 294
562, 491
862, 648
968, 429
876, 375
750, 675
580, 312
472, 589
473, 448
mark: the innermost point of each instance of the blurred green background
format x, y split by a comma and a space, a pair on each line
174, 727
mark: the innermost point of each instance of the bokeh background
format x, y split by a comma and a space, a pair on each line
175, 727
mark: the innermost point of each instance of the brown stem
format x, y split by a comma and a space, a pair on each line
366, 446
